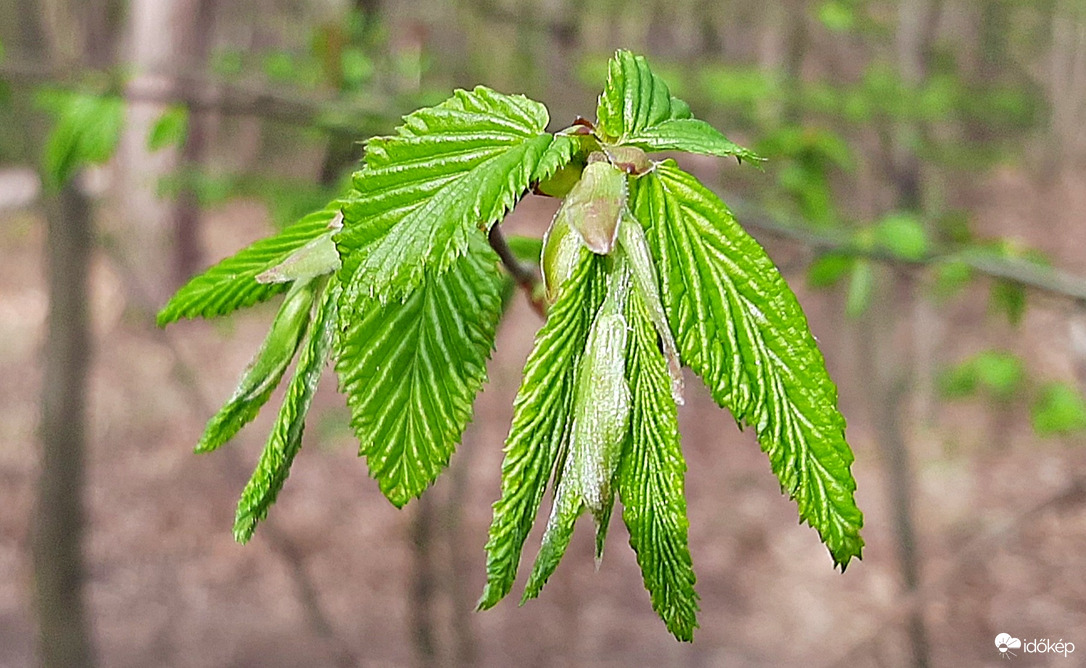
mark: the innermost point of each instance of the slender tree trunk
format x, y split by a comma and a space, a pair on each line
64, 639
186, 214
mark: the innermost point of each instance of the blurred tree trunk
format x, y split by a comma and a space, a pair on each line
1067, 79
195, 48
143, 234
57, 535
889, 372
64, 639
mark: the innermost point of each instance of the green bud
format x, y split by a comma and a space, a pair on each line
561, 252
601, 408
594, 205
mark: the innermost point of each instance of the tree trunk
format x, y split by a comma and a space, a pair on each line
58, 519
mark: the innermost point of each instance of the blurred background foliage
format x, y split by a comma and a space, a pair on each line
924, 191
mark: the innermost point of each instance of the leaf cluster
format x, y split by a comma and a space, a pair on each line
646, 270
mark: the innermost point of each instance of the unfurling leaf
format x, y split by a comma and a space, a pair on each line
286, 434
600, 414
541, 420
264, 371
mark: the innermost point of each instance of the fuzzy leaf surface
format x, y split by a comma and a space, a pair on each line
448, 171
286, 434
650, 480
231, 284
411, 370
740, 327
541, 417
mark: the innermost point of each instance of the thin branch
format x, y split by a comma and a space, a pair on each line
525, 276
309, 109
1027, 274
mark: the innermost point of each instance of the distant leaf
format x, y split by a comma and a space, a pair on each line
231, 284
1059, 409
541, 420
1009, 299
828, 269
411, 370
265, 370
903, 235
740, 328
861, 286
86, 132
171, 128
650, 481
449, 170
286, 435
637, 109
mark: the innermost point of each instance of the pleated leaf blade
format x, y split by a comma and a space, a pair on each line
638, 109
650, 480
739, 326
411, 369
449, 170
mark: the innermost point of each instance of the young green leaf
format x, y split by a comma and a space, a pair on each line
264, 371
600, 411
740, 328
232, 284
449, 170
87, 130
286, 435
541, 419
650, 480
411, 370
637, 109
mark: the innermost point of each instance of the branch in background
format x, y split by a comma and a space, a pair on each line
525, 276
1027, 274
230, 99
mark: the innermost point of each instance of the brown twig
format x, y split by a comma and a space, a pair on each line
525, 276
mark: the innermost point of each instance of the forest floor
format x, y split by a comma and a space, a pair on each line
333, 575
